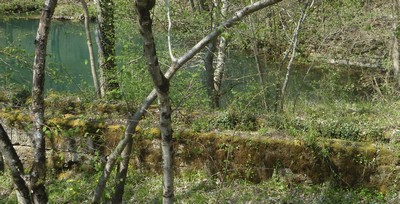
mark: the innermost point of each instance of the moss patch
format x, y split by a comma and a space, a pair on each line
255, 158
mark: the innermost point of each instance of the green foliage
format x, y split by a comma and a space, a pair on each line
201, 125
329, 101
232, 120
198, 187
19, 6
73, 9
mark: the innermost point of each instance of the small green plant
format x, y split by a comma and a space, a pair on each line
226, 120
201, 125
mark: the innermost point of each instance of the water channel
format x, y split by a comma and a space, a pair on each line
67, 54
68, 68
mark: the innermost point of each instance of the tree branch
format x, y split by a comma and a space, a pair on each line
15, 165
173, 59
133, 121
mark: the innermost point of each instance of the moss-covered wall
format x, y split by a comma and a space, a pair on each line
255, 158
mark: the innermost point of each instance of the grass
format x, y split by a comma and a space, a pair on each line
19, 6
32, 9
373, 121
198, 187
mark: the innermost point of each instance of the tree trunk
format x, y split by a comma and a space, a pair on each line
219, 70
209, 69
133, 121
106, 44
1, 163
122, 172
202, 6
15, 165
162, 87
90, 48
295, 40
192, 5
131, 124
38, 171
258, 64
395, 44
220, 64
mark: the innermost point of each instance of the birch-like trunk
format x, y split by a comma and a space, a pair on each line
295, 40
90, 48
132, 121
38, 171
220, 64
395, 43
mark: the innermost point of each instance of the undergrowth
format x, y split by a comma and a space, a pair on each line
198, 187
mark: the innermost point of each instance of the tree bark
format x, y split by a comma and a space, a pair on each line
131, 124
162, 87
1, 163
395, 43
90, 48
133, 121
209, 69
15, 165
122, 172
38, 171
220, 65
106, 45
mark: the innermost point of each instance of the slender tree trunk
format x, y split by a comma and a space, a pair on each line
38, 171
209, 69
106, 45
15, 165
295, 40
33, 189
131, 124
1, 163
122, 172
220, 65
90, 48
395, 44
126, 153
395, 60
192, 5
258, 64
162, 87
219, 70
202, 6
214, 75
209, 65
133, 121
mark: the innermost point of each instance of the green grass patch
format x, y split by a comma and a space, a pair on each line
198, 187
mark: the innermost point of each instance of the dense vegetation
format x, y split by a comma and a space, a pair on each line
342, 86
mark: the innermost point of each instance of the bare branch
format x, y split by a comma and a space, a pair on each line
295, 40
133, 121
15, 165
173, 59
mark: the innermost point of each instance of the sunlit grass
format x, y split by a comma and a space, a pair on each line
199, 187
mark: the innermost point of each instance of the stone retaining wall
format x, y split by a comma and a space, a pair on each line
228, 155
